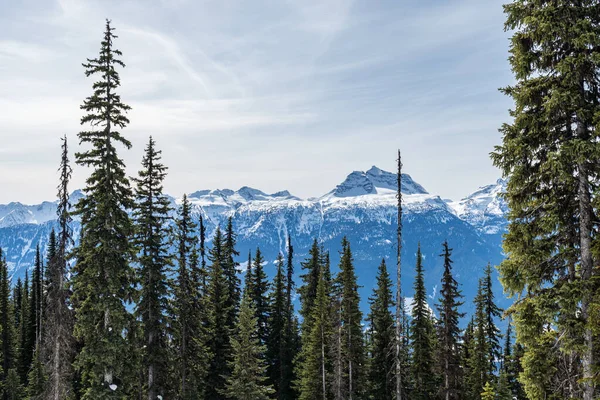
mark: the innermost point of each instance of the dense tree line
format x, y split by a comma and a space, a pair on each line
143, 306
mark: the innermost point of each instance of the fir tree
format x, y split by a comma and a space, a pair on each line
187, 316
449, 331
259, 297
550, 155
7, 331
477, 358
230, 269
218, 331
488, 392
277, 329
26, 340
381, 366
314, 364
103, 277
58, 318
421, 335
291, 340
151, 215
13, 389
310, 279
492, 333
248, 379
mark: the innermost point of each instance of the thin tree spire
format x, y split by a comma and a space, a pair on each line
399, 302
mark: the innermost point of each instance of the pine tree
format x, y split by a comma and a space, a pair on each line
58, 340
230, 268
550, 155
103, 277
351, 319
381, 366
488, 392
218, 331
248, 380
36, 377
291, 340
421, 335
13, 389
310, 279
36, 301
259, 288
477, 358
492, 333
449, 331
7, 331
277, 330
187, 316
151, 215
314, 364
25, 345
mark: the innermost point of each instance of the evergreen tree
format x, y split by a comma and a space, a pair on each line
291, 340
218, 331
7, 331
103, 278
17, 298
248, 379
381, 366
230, 267
449, 331
187, 315
36, 378
151, 215
314, 364
351, 319
310, 279
259, 297
488, 392
492, 333
58, 340
421, 335
550, 155
277, 329
26, 340
35, 302
477, 358
13, 389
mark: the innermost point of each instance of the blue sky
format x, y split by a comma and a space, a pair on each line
282, 94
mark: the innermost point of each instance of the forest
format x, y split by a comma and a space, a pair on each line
144, 305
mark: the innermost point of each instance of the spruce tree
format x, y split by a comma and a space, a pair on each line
277, 329
26, 340
449, 331
103, 278
314, 366
187, 314
492, 312
58, 340
488, 392
7, 331
478, 356
259, 296
248, 379
230, 268
421, 335
291, 340
549, 153
218, 331
151, 215
381, 366
310, 279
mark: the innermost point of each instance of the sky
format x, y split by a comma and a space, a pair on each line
272, 94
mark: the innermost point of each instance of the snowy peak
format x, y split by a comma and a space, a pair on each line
485, 208
244, 195
375, 181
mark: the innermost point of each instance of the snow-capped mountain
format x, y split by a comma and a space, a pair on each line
362, 207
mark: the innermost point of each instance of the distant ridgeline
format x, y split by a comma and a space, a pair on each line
363, 208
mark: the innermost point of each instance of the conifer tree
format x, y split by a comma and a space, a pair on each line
449, 331
218, 331
7, 331
248, 379
103, 277
488, 392
492, 333
314, 365
381, 366
421, 335
230, 267
259, 297
35, 301
310, 279
550, 155
13, 389
187, 315
58, 340
151, 215
17, 298
351, 319
277, 329
25, 345
477, 358
291, 340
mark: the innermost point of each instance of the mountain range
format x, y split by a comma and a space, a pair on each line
362, 207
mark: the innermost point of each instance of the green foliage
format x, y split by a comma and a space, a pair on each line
258, 286
488, 392
248, 379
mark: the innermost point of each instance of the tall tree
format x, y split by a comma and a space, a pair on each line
310, 280
550, 154
314, 364
230, 268
277, 330
492, 332
219, 332
291, 340
259, 296
187, 316
151, 216
421, 335
58, 317
248, 379
26, 340
382, 382
449, 331
103, 278
400, 351
477, 358
6, 322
